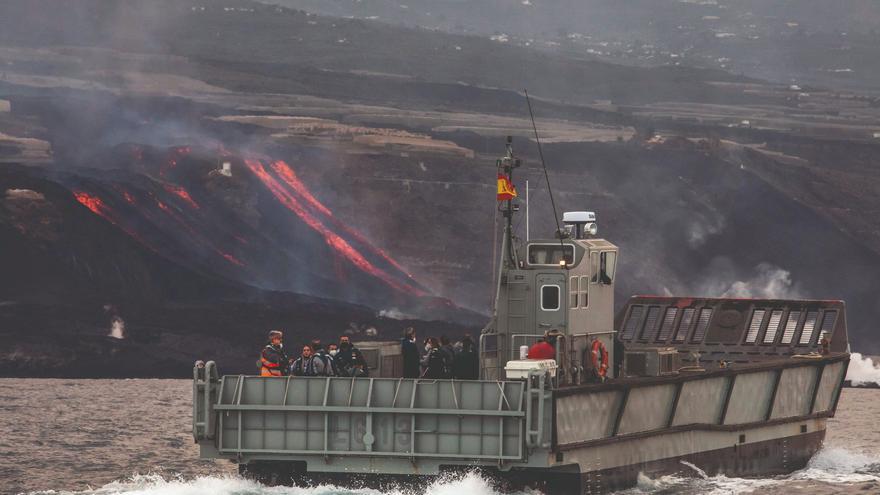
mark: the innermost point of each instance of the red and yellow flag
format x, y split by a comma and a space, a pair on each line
506, 190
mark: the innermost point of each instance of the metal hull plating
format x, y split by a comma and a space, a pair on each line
762, 458
763, 419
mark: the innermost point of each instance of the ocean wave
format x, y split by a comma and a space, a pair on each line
154, 484
833, 466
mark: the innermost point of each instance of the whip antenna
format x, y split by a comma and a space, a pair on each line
546, 176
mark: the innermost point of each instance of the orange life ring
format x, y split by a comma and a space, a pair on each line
599, 358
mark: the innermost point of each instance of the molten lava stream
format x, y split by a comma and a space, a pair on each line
332, 239
100, 208
289, 177
181, 193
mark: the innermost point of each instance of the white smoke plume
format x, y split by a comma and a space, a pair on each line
117, 328
702, 227
768, 281
863, 370
394, 314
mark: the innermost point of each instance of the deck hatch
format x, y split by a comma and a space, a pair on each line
773, 327
668, 321
809, 327
755, 325
790, 326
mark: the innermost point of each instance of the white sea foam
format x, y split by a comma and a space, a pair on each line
470, 484
862, 370
834, 466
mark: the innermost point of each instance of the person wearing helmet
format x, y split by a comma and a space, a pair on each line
273, 360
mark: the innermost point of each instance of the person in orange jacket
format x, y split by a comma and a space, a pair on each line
273, 360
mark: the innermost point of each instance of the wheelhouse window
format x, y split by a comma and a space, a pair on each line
650, 323
668, 321
755, 325
809, 327
594, 268
635, 317
702, 325
607, 262
684, 325
550, 254
573, 292
773, 327
550, 297
790, 326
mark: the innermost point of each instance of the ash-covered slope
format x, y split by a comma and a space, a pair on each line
74, 266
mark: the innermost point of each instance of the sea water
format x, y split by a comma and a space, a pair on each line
135, 437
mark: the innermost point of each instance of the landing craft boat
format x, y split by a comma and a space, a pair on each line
672, 385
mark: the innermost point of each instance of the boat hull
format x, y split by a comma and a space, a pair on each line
762, 458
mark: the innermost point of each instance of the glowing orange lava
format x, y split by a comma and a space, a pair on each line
337, 243
290, 178
93, 203
182, 194
100, 208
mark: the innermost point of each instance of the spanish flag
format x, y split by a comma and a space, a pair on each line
506, 190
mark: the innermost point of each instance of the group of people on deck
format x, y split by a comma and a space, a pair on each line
342, 359
440, 359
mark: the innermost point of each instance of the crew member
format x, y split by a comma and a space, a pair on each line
448, 354
466, 365
273, 359
433, 361
350, 361
302, 366
322, 362
544, 348
410, 353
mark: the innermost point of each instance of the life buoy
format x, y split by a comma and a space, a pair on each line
599, 358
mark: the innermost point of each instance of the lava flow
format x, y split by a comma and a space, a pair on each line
286, 174
100, 208
337, 243
182, 194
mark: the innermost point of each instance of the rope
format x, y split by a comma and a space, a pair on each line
546, 176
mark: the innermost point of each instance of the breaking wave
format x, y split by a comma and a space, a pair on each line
831, 467
153, 484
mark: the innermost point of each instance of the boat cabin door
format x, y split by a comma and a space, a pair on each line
550, 311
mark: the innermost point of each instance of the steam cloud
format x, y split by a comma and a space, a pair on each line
117, 328
768, 282
863, 370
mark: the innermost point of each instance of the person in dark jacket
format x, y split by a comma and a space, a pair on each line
273, 360
466, 364
410, 352
448, 354
349, 359
433, 362
302, 366
322, 363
